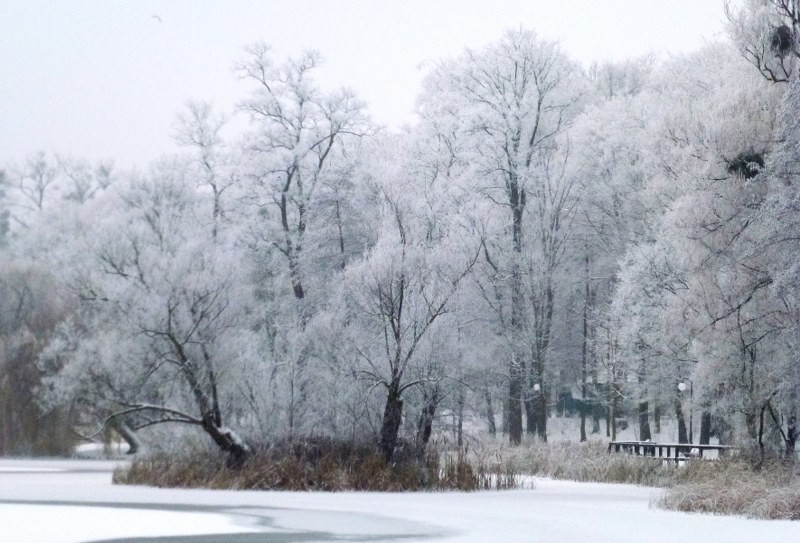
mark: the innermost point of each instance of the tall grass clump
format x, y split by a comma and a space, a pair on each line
584, 462
737, 485
324, 465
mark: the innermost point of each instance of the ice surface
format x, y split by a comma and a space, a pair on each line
552, 511
30, 523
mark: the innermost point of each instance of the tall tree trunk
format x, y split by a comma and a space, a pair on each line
761, 448
536, 413
657, 418
514, 410
536, 400
792, 433
683, 436
515, 394
583, 422
392, 417
517, 365
425, 424
596, 406
585, 344
644, 421
460, 423
644, 406
490, 412
705, 428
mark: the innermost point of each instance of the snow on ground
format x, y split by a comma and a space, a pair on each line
553, 510
30, 523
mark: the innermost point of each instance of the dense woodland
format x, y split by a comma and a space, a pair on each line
614, 243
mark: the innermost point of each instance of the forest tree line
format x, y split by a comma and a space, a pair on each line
622, 237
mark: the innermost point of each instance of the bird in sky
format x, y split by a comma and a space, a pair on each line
156, 17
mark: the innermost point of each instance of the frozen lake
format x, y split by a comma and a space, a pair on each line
75, 502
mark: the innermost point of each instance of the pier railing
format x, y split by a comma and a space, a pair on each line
671, 451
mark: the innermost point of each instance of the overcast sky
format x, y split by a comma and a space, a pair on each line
105, 78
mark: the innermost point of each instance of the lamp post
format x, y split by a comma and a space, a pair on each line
682, 386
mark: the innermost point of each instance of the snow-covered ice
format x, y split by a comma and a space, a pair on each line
32, 523
553, 510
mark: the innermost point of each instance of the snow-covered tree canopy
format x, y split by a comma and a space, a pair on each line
546, 234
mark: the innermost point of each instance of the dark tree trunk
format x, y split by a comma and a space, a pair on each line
644, 421
644, 406
792, 433
583, 422
490, 413
425, 424
683, 436
657, 418
211, 420
585, 343
516, 195
761, 449
613, 410
514, 408
536, 413
460, 424
392, 417
541, 413
129, 435
238, 452
705, 428
595, 404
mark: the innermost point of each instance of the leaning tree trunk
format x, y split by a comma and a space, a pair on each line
237, 450
211, 421
128, 434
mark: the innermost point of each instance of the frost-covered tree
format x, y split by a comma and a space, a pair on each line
162, 333
766, 31
301, 154
394, 303
299, 141
699, 280
509, 104
781, 401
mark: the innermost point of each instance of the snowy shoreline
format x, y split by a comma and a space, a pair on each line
90, 508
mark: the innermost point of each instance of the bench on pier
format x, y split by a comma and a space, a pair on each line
670, 451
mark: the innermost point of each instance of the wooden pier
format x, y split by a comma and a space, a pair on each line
668, 451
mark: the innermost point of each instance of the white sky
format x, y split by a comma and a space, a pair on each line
105, 78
